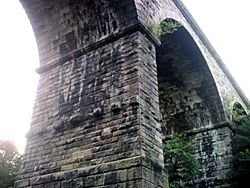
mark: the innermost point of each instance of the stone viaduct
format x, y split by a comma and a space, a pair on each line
110, 91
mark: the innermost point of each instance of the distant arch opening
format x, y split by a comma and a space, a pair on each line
188, 95
238, 114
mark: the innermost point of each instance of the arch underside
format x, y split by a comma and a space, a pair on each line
62, 28
189, 98
190, 102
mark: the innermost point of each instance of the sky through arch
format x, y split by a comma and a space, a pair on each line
18, 80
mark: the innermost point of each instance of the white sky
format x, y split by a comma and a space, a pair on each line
225, 23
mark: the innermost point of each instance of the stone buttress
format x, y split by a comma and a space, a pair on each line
96, 120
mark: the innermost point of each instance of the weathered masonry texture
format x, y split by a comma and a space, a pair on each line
110, 92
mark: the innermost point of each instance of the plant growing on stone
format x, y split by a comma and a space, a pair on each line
180, 163
154, 28
166, 26
169, 26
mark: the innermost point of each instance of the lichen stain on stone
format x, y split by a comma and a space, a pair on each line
93, 19
70, 43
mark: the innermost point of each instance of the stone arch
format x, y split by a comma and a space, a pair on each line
190, 101
156, 11
232, 104
64, 27
98, 87
189, 98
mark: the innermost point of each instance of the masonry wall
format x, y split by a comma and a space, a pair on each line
61, 27
214, 151
86, 128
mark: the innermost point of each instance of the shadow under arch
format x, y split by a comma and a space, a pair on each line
189, 99
190, 102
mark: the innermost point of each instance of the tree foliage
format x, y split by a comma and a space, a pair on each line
241, 147
10, 161
180, 162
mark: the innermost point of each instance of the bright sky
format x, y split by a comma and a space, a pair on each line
225, 23
18, 79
